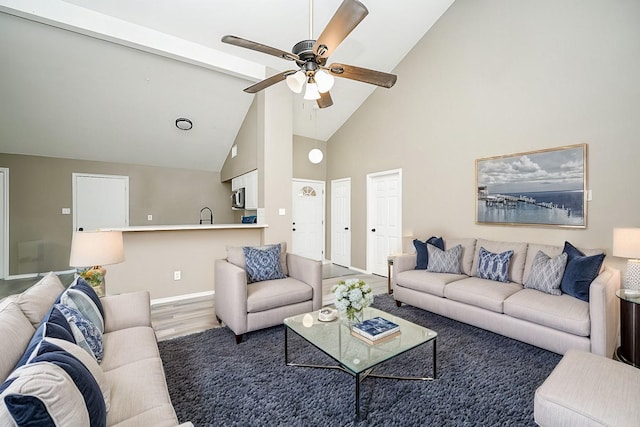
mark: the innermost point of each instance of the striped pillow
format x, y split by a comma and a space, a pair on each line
54, 389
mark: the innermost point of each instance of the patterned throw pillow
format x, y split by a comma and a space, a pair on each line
86, 334
494, 266
444, 261
546, 273
263, 264
82, 303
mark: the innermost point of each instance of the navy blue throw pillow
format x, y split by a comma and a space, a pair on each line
45, 330
581, 270
422, 256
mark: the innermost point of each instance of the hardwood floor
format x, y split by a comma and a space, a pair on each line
177, 318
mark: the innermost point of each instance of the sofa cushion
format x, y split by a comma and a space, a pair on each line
86, 334
581, 270
16, 329
546, 273
516, 265
422, 256
426, 281
468, 250
139, 392
276, 293
235, 255
126, 346
494, 266
560, 312
444, 261
483, 293
32, 393
36, 301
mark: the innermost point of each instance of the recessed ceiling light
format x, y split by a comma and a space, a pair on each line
184, 124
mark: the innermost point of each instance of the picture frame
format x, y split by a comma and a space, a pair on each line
538, 188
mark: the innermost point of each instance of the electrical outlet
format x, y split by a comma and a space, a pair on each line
177, 275
149, 217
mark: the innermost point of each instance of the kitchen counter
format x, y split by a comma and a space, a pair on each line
185, 227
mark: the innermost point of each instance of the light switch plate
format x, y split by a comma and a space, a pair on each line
66, 211
282, 211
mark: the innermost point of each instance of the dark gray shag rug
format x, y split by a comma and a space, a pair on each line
484, 379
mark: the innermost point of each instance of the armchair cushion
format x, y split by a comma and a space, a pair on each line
276, 293
263, 264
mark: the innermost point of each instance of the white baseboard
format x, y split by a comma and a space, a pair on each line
182, 297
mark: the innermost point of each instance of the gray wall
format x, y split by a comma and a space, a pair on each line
501, 77
41, 186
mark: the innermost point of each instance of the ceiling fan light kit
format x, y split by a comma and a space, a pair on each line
311, 56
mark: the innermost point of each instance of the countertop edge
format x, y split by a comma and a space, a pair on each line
185, 227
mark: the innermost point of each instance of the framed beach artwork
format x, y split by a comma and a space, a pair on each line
545, 188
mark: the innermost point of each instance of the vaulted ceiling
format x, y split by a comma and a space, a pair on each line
106, 79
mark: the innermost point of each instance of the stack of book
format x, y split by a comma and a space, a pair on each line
376, 330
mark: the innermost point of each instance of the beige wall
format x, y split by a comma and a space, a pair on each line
502, 77
246, 142
41, 186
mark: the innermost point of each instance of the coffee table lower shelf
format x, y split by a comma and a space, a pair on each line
361, 375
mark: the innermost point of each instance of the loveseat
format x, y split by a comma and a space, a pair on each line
51, 373
556, 322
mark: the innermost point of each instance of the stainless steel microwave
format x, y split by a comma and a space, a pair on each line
237, 199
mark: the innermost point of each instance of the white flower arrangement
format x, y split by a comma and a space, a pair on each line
352, 296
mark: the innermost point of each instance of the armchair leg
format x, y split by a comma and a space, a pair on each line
398, 304
238, 339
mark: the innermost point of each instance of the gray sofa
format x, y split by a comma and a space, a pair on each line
130, 375
555, 323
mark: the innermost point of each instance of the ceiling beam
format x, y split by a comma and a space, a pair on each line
84, 21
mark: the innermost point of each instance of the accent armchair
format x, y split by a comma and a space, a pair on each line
246, 307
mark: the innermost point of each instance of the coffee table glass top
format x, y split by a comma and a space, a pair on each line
335, 339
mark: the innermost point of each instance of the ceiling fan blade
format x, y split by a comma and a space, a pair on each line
346, 18
365, 75
325, 100
248, 44
277, 78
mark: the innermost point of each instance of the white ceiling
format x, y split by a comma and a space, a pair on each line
106, 79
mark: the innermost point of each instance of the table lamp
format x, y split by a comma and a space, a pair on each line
90, 250
626, 244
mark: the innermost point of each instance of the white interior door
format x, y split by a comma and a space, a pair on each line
307, 213
4, 222
100, 201
384, 219
341, 222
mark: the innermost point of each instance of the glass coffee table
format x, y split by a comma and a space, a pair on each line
353, 355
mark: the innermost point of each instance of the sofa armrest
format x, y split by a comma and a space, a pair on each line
126, 310
308, 271
402, 263
231, 295
604, 312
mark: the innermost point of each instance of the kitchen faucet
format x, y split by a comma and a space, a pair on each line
202, 221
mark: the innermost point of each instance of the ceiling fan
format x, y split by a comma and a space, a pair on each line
311, 57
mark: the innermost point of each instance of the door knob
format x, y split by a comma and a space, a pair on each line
294, 229
346, 228
373, 229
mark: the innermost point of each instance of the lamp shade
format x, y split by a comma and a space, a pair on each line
626, 242
311, 93
296, 81
324, 81
90, 248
